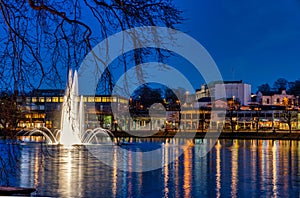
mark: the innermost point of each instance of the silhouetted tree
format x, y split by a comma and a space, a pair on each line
10, 114
280, 84
264, 88
294, 88
202, 118
40, 39
288, 117
255, 117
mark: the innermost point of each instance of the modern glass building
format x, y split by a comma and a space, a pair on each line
42, 108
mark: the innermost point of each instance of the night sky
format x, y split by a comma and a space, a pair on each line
257, 41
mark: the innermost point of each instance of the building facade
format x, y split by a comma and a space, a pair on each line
279, 99
43, 108
234, 89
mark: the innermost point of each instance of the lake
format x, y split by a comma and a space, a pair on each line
233, 168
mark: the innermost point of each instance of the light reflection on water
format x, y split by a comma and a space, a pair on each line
233, 168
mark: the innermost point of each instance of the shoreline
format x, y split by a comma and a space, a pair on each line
223, 135
264, 135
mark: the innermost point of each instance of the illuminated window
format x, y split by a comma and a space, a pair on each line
27, 124
123, 101
108, 99
104, 99
61, 99
49, 124
97, 99
114, 99
84, 99
34, 99
38, 125
91, 99
35, 115
54, 99
48, 99
42, 99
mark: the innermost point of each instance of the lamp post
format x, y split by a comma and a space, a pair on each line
273, 124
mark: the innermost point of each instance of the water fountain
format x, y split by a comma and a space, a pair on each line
72, 130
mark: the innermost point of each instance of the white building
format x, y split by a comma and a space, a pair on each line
279, 99
234, 89
203, 92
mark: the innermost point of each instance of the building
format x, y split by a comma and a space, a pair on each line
277, 99
234, 89
203, 92
42, 108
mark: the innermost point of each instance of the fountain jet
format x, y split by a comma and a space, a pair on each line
72, 120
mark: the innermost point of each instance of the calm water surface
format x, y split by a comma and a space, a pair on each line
233, 168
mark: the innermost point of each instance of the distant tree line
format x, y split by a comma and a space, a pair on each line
147, 95
292, 87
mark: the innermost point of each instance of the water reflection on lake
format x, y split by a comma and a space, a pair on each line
233, 168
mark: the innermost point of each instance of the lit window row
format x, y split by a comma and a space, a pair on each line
85, 99
35, 115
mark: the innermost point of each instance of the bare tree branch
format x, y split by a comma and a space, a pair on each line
40, 40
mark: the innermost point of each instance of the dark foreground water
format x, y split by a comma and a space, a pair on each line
233, 168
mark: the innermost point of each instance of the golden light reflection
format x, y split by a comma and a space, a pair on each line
140, 176
114, 174
65, 173
285, 146
188, 144
275, 171
254, 146
177, 175
187, 173
166, 169
262, 157
80, 172
218, 168
234, 168
36, 167
129, 162
69, 171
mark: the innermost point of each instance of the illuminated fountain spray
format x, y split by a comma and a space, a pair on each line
72, 120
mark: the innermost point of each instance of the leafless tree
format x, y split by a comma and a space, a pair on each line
256, 117
288, 117
10, 114
41, 39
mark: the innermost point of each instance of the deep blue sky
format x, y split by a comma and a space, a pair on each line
257, 41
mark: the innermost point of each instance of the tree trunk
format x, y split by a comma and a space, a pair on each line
256, 127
